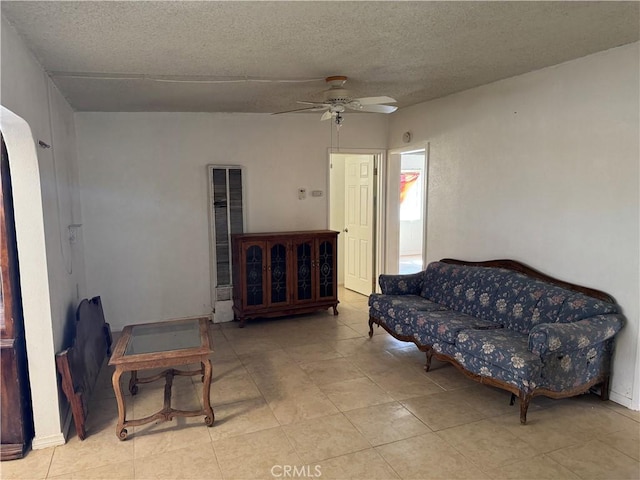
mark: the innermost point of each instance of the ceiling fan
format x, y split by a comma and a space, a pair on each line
338, 99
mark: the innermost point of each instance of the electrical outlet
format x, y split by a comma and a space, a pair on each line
302, 193
72, 230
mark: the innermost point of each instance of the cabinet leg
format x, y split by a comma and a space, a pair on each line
335, 309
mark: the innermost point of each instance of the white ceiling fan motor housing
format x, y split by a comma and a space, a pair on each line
337, 95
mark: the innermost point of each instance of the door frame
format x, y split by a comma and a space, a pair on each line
392, 246
379, 203
34, 279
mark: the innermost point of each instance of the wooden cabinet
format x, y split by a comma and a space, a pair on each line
285, 273
16, 420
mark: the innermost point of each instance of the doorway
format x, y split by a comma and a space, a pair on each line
352, 212
406, 212
34, 277
412, 200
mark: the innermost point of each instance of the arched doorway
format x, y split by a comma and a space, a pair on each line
34, 278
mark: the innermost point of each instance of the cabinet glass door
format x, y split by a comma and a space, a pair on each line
304, 264
255, 268
278, 274
326, 268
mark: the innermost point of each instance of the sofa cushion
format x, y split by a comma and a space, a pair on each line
391, 303
397, 311
466, 289
514, 302
502, 348
399, 325
421, 338
439, 280
445, 325
508, 298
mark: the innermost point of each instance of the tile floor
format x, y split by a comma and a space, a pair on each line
314, 397
410, 264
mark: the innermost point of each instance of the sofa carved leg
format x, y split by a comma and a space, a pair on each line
429, 355
524, 406
604, 389
371, 322
513, 399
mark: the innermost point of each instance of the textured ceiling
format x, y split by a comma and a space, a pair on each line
236, 56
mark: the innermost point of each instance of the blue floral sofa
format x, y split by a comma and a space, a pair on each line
504, 324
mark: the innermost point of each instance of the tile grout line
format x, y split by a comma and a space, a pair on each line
51, 459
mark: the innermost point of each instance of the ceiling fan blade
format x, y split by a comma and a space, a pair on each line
318, 104
326, 115
306, 109
375, 100
375, 108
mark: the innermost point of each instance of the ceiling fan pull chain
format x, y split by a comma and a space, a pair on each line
331, 134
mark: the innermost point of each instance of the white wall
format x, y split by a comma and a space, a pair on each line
144, 196
46, 202
543, 168
337, 207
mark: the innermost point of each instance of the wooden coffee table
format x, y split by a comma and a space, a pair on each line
162, 344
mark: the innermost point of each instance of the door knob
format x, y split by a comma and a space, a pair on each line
346, 230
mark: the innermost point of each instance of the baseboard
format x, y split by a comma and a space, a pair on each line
620, 399
39, 443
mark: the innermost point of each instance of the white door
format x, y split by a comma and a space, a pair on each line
359, 189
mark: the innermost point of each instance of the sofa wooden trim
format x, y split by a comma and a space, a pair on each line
523, 396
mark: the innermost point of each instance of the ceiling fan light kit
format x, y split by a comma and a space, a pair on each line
338, 99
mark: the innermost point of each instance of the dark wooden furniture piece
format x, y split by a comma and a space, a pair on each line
285, 273
79, 365
16, 419
157, 345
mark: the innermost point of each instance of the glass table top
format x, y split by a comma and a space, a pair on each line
164, 338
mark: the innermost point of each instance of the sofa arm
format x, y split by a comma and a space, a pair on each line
410, 284
564, 337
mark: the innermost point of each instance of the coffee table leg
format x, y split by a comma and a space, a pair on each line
206, 393
121, 432
133, 388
